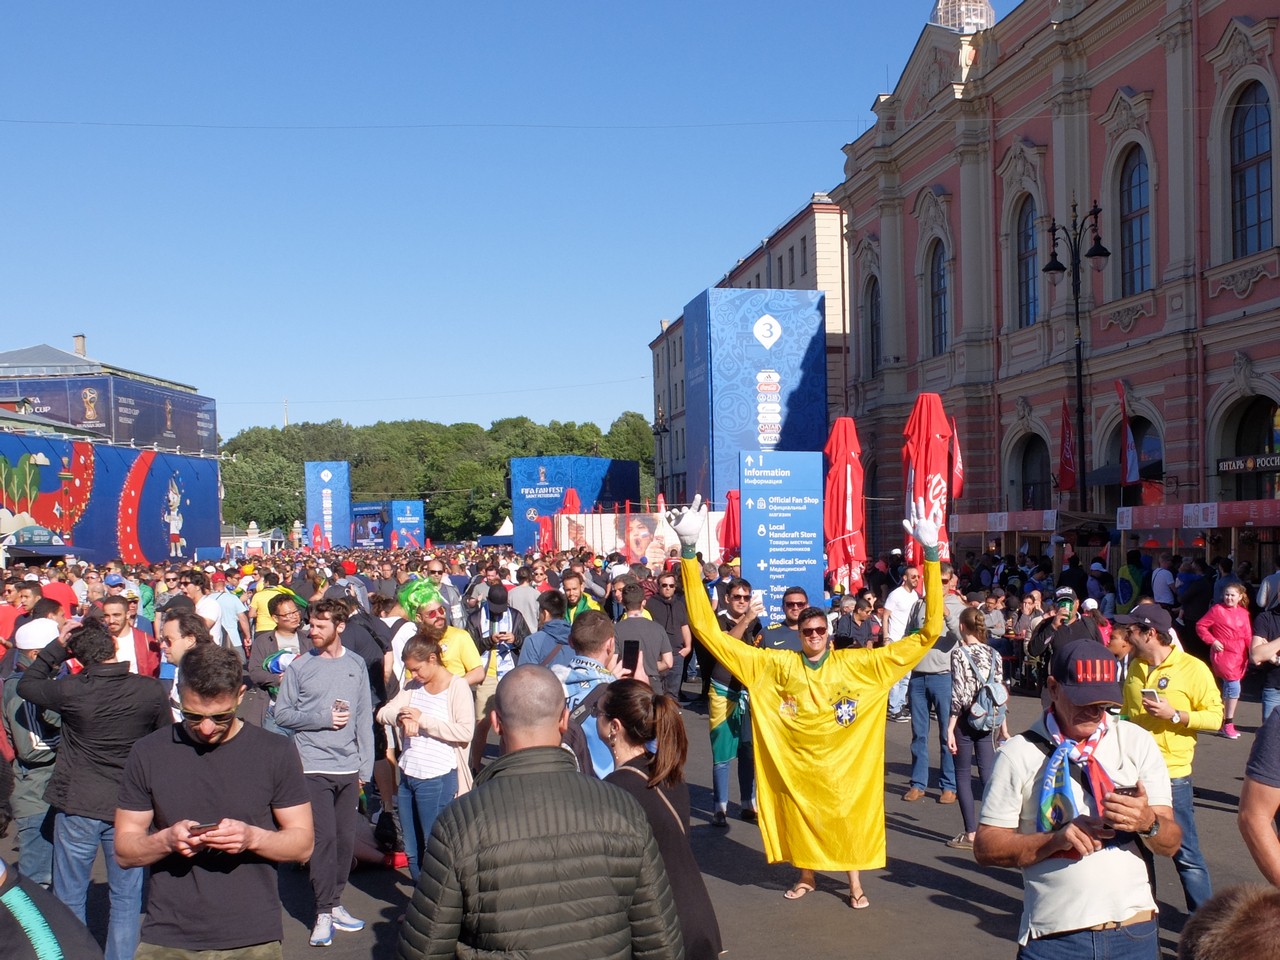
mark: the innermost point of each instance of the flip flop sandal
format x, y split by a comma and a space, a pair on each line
860, 902
798, 891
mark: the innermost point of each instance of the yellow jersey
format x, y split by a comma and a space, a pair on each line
819, 733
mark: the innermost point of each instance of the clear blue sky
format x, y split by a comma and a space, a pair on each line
391, 210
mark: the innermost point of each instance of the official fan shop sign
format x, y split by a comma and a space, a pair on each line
781, 496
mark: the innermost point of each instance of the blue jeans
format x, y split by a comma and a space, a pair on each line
746, 779
1270, 700
1192, 870
922, 690
35, 847
898, 696
1141, 941
420, 803
75, 847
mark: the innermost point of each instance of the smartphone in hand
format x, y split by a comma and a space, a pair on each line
630, 655
202, 828
341, 706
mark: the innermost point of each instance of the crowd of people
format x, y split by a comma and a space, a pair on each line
201, 723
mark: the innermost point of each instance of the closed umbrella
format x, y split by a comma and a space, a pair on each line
572, 503
729, 532
926, 467
844, 515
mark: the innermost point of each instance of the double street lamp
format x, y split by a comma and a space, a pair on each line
1097, 254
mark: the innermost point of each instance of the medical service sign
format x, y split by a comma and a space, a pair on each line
782, 525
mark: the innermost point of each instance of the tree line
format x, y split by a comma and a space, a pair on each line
460, 470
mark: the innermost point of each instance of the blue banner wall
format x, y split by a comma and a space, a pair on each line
755, 379
102, 502
406, 531
539, 485
328, 503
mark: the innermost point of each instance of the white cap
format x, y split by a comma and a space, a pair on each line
35, 634
31, 578
1097, 567
1089, 604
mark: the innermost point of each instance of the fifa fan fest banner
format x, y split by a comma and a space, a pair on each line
542, 487
755, 379
328, 504
406, 531
99, 502
640, 537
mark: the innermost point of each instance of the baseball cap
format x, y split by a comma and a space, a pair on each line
219, 577
1088, 673
1097, 567
1089, 604
35, 634
1065, 594
1148, 615
497, 598
113, 580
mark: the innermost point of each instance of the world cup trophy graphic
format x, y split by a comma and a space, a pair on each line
89, 397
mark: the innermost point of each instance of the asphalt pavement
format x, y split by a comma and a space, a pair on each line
929, 903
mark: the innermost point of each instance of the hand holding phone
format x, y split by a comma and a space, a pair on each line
630, 655
1150, 694
202, 828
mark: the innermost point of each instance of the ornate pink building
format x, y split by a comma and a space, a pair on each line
1161, 110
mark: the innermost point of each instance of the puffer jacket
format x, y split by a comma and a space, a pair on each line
538, 860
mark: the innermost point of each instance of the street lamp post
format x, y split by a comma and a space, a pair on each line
1097, 254
660, 429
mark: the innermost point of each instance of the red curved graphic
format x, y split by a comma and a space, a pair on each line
130, 498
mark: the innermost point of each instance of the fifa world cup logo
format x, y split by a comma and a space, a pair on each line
168, 415
89, 397
542, 474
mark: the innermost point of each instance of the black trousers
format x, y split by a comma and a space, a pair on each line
335, 800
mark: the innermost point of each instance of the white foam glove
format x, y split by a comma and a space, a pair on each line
920, 526
688, 522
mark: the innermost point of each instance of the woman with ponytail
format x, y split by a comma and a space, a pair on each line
631, 719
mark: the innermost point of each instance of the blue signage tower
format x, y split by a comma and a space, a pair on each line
782, 525
755, 379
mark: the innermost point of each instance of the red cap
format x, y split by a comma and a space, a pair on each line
348, 567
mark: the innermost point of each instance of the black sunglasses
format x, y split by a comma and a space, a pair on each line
220, 719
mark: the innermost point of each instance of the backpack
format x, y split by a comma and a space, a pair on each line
987, 712
582, 736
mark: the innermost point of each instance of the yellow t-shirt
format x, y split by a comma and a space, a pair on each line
258, 607
1188, 684
458, 651
819, 734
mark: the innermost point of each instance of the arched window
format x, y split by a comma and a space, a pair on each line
1028, 265
1251, 172
871, 313
939, 312
1258, 434
1036, 491
1135, 224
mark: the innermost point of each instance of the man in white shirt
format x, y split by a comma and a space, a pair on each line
195, 584
1162, 582
898, 606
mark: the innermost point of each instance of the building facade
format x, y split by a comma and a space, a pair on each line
1161, 112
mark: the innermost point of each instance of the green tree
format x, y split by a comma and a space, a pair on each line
265, 487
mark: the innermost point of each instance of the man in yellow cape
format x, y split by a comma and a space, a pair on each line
818, 721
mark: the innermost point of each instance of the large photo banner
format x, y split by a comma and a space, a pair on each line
100, 502
755, 379
639, 536
328, 504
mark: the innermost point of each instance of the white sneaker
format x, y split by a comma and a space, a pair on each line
344, 921
322, 932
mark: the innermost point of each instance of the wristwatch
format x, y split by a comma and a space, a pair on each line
1176, 718
1155, 829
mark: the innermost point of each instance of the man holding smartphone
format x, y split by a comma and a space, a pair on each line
211, 804
1174, 696
324, 702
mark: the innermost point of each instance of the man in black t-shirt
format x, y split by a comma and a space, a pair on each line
226, 801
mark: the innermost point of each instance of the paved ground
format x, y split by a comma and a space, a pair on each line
930, 901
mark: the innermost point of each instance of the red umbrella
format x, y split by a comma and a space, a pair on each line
844, 516
572, 504
546, 535
729, 532
926, 467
